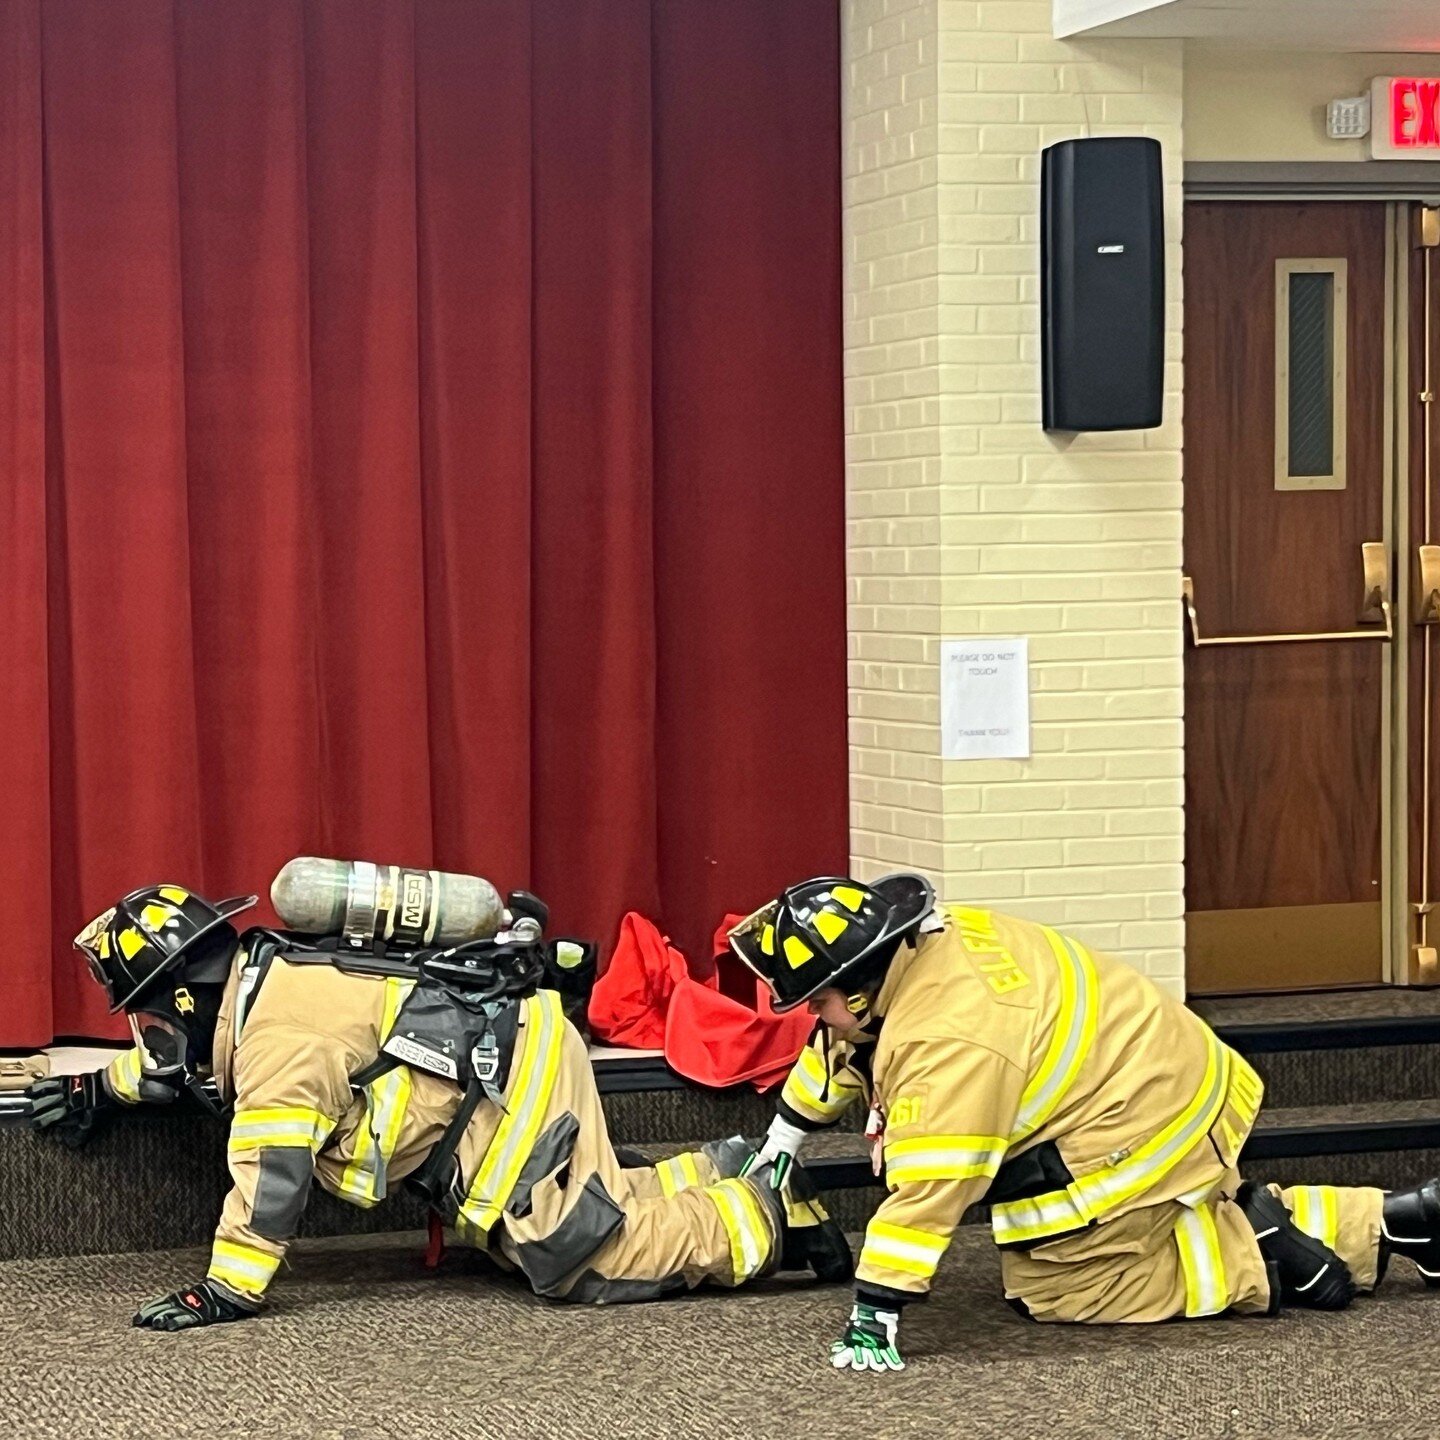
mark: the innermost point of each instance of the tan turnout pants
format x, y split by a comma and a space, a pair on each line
1171, 1260
584, 1228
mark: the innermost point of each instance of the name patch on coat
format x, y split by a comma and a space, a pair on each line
422, 1057
997, 966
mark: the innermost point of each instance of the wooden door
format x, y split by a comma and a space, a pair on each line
1285, 473
1419, 617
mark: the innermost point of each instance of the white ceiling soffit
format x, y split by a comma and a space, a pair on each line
1358, 25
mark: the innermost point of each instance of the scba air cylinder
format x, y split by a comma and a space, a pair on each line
364, 903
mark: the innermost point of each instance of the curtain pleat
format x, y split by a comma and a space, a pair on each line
420, 440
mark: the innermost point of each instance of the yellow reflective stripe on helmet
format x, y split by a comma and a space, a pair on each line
750, 1236
242, 1267
1070, 1040
898, 1247
942, 1157
1315, 1209
797, 952
295, 1125
123, 1073
174, 894
156, 916
526, 1100
831, 926
1103, 1190
1207, 1291
386, 1101
131, 942
851, 898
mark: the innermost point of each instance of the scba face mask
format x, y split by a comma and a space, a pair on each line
164, 1047
175, 1038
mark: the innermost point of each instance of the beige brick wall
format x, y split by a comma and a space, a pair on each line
893, 440
967, 520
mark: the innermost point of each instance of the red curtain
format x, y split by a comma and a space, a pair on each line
420, 440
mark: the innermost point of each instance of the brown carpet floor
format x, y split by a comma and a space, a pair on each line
361, 1344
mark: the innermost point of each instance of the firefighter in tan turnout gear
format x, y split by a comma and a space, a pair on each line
1098, 1117
485, 1098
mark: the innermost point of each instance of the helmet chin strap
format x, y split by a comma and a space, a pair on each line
859, 1005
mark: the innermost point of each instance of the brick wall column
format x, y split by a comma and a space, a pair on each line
967, 520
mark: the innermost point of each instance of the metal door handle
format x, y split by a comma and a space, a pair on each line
1427, 585
1374, 606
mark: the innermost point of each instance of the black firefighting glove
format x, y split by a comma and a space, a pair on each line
869, 1340
69, 1106
204, 1304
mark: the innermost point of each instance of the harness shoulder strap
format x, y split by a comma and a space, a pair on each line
382, 1064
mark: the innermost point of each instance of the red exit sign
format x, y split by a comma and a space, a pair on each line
1405, 117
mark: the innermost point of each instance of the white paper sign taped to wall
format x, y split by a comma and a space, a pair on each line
985, 699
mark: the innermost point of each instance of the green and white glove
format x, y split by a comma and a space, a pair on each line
781, 1149
869, 1341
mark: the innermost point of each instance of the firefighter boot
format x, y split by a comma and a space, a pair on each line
1310, 1273
1410, 1226
728, 1156
809, 1238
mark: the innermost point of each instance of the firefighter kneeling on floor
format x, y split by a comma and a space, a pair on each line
1098, 1117
485, 1098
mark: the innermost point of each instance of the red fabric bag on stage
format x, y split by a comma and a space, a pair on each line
630, 1000
715, 1036
709, 1029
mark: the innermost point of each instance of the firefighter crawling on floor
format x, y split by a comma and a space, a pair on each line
1098, 1117
452, 1068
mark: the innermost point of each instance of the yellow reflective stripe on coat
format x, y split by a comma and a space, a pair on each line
1103, 1190
1070, 1041
123, 1073
942, 1157
1207, 1292
807, 1083
750, 1236
242, 1267
526, 1100
678, 1173
295, 1125
899, 1247
1315, 1210
386, 1101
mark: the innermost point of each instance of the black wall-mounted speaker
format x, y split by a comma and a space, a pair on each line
1102, 261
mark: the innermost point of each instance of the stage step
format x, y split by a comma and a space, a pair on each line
1391, 1144
1352, 1097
